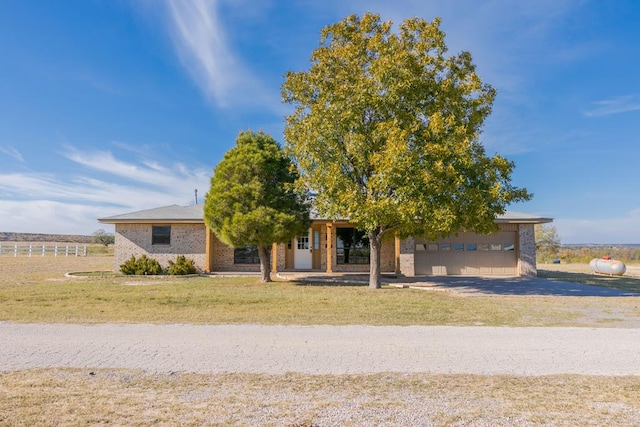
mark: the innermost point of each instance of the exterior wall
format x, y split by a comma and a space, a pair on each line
407, 257
222, 258
135, 239
190, 240
527, 250
281, 258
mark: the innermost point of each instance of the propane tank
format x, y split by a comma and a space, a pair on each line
606, 265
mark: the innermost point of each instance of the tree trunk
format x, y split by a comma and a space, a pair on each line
375, 244
265, 263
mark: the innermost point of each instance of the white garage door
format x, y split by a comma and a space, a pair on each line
468, 254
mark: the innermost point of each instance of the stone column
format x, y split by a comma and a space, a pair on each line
407, 257
527, 250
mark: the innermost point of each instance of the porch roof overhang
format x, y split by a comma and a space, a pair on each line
509, 217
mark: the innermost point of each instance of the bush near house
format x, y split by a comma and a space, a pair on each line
182, 266
145, 266
141, 266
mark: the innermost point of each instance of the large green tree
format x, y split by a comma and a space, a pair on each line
252, 199
386, 129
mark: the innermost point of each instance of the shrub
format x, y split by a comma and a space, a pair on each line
182, 266
141, 266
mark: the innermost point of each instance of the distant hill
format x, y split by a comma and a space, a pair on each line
37, 237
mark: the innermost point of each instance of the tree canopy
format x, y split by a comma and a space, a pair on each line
386, 130
102, 237
252, 199
547, 242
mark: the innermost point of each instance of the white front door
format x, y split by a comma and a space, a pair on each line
302, 255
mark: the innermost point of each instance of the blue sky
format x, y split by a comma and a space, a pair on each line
112, 106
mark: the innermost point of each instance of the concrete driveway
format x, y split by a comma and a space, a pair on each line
472, 285
483, 286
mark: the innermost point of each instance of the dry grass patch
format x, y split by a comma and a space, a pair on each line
124, 397
35, 290
581, 273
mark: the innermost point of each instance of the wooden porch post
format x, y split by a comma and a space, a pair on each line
397, 253
274, 258
208, 262
329, 249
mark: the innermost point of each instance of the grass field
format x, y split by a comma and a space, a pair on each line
581, 273
136, 398
35, 290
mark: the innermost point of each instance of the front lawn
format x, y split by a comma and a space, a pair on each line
35, 290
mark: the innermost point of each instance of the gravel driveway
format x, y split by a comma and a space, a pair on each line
322, 349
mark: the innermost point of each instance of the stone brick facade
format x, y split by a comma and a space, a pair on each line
222, 258
527, 250
135, 239
190, 240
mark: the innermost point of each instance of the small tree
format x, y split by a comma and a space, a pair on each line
386, 130
547, 242
102, 237
252, 199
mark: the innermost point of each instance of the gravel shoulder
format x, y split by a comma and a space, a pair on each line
322, 349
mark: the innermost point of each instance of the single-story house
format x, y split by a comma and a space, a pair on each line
329, 246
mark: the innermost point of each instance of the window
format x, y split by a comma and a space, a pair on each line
161, 235
352, 246
303, 242
246, 255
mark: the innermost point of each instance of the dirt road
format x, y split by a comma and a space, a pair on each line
322, 349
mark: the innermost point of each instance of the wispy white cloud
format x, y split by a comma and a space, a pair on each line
608, 107
12, 152
59, 203
201, 42
148, 172
50, 216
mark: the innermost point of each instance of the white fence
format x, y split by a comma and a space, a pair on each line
42, 249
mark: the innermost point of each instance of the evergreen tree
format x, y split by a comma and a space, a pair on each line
252, 199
